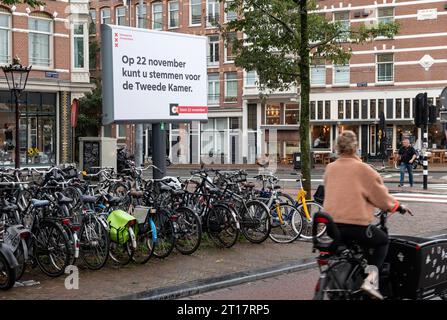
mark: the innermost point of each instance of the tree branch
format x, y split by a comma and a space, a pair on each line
285, 25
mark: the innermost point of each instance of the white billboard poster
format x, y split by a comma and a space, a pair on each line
152, 76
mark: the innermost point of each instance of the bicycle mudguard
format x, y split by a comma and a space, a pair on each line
6, 251
154, 230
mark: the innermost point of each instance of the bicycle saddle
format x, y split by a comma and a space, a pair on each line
113, 200
88, 199
63, 199
177, 192
40, 203
137, 194
9, 207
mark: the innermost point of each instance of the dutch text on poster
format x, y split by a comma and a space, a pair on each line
153, 76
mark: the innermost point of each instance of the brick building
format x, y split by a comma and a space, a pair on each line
54, 40
384, 75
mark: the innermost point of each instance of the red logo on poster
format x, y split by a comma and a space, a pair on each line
74, 113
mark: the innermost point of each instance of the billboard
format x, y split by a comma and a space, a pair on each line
152, 76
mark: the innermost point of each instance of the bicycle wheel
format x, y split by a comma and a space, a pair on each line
52, 248
189, 233
255, 221
291, 227
312, 208
146, 238
20, 256
120, 253
7, 274
165, 234
222, 226
285, 198
75, 194
94, 242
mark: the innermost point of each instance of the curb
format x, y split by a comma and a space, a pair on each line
210, 284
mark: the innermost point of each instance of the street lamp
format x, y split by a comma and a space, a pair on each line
16, 76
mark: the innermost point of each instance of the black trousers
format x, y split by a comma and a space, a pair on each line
367, 236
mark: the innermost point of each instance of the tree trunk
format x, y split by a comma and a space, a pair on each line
305, 92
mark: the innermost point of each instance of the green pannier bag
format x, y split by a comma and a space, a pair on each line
118, 230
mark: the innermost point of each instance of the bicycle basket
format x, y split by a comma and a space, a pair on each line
118, 221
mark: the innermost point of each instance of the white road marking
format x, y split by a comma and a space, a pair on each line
421, 197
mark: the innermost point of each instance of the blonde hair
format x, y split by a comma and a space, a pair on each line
346, 143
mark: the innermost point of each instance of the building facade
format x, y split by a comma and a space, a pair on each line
53, 39
384, 75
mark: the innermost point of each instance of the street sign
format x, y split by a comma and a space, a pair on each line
153, 76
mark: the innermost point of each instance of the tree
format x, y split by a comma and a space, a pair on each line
280, 37
31, 3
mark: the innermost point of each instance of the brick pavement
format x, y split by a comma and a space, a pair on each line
208, 261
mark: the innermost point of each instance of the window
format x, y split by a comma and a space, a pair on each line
272, 115
251, 79
364, 109
140, 22
292, 113
341, 109
157, 16
381, 107
343, 19
252, 116
213, 50
318, 72
327, 110
39, 41
5, 24
121, 130
212, 12
385, 66
356, 109
107, 131
195, 12
321, 137
385, 15
406, 108
120, 16
320, 110
78, 45
213, 89
348, 109
92, 26
341, 74
231, 86
174, 21
229, 51
105, 15
229, 15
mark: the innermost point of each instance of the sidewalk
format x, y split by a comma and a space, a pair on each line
208, 262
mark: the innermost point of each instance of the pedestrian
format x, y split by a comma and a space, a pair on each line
406, 157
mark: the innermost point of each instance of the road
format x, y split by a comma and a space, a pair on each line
300, 285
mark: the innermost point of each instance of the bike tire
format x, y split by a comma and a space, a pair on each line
7, 274
189, 233
56, 237
20, 256
94, 238
220, 222
145, 243
258, 217
292, 227
165, 234
313, 207
285, 197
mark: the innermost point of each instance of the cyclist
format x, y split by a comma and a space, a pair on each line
352, 190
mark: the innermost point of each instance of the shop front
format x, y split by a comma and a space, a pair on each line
37, 128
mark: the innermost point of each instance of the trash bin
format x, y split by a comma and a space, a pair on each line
297, 160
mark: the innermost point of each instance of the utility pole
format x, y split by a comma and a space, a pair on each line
139, 161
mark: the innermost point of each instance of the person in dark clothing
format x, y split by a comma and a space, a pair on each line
406, 157
8, 138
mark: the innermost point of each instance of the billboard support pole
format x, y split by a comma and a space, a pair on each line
139, 161
158, 150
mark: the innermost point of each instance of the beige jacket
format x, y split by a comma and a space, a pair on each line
352, 190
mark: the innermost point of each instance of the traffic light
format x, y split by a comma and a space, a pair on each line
432, 114
421, 110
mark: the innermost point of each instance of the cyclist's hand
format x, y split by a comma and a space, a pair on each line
403, 209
